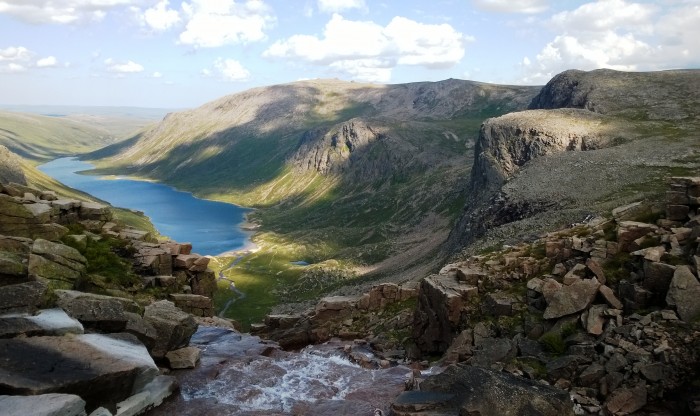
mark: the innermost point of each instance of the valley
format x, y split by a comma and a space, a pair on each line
456, 231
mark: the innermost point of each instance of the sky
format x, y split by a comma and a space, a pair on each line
181, 54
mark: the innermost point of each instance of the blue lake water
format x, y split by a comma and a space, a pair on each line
212, 227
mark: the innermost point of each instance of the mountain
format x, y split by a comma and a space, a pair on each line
366, 179
590, 141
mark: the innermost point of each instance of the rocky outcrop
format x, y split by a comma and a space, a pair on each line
603, 309
31, 213
644, 95
347, 317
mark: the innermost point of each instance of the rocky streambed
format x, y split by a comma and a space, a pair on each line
240, 374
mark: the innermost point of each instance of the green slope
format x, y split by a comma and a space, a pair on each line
41, 138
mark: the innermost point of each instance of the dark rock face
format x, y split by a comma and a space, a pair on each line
467, 390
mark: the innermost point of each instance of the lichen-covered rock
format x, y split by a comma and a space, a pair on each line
57, 263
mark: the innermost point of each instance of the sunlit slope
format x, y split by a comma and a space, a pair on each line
41, 138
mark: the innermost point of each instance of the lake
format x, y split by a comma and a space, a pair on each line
212, 227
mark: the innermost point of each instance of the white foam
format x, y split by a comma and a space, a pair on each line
277, 384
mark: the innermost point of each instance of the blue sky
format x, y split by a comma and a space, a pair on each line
176, 54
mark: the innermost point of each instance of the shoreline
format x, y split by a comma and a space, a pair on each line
246, 227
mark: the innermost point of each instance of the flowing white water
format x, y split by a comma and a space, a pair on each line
240, 375
277, 384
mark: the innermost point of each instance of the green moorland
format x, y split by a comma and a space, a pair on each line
361, 181
42, 138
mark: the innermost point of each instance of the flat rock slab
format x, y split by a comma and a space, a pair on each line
484, 392
47, 322
102, 369
52, 404
22, 297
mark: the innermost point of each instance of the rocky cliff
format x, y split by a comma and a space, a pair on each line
595, 151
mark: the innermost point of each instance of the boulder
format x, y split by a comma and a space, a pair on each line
22, 297
437, 320
173, 327
102, 369
94, 211
625, 401
494, 350
194, 304
610, 297
595, 319
150, 396
58, 263
657, 278
571, 299
467, 390
628, 231
106, 313
187, 357
47, 322
683, 293
51, 404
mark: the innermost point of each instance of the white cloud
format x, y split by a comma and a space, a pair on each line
618, 34
368, 51
511, 6
15, 59
157, 75
160, 17
606, 15
228, 70
48, 62
333, 6
61, 11
214, 23
129, 67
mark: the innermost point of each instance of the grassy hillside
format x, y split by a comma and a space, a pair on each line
41, 138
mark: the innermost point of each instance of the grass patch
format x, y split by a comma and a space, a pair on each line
553, 342
617, 267
105, 258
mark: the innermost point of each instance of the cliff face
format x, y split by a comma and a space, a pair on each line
613, 124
